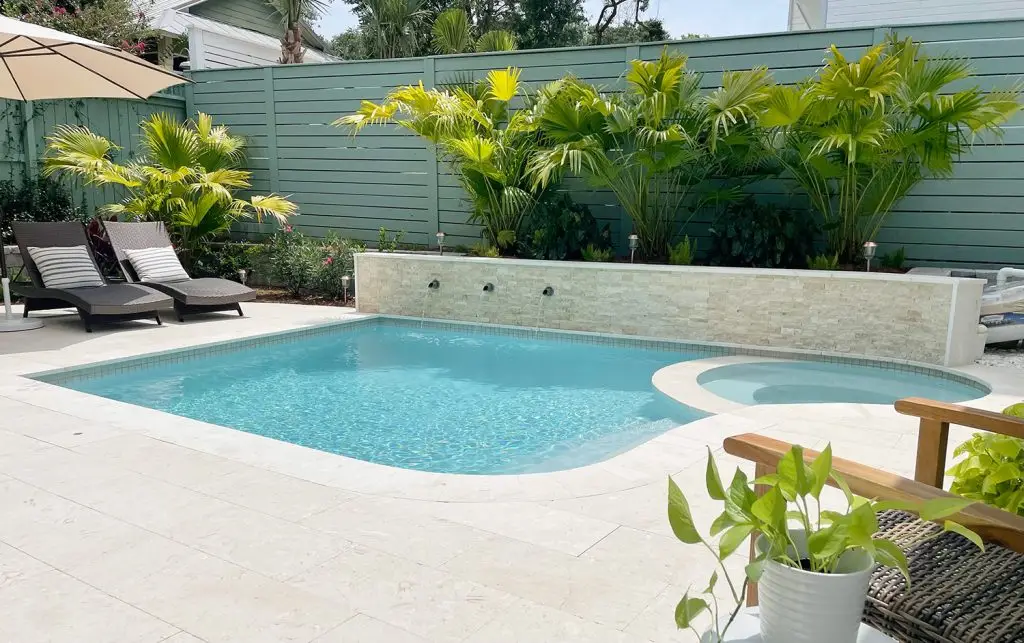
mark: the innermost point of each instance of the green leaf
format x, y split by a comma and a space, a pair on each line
793, 478
888, 554
739, 498
679, 516
861, 524
1015, 410
938, 508
841, 483
957, 528
770, 509
721, 523
755, 569
1004, 472
714, 481
828, 542
821, 467
712, 582
732, 539
689, 609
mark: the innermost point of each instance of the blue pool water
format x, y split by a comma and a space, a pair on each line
423, 398
800, 382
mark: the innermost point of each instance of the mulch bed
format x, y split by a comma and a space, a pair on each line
282, 296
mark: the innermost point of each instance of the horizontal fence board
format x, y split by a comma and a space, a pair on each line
385, 176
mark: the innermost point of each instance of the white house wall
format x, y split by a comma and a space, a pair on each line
865, 13
208, 50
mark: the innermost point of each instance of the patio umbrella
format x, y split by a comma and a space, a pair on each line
46, 64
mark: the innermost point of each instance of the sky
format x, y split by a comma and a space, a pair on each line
714, 18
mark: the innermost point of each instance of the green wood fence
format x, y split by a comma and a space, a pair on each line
25, 126
387, 177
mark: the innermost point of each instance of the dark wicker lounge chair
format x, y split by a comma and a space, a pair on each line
191, 296
112, 302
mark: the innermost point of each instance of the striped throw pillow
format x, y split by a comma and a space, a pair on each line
67, 267
156, 264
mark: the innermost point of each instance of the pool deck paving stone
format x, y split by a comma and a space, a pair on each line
127, 524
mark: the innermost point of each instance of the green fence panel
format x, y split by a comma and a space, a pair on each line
25, 126
386, 177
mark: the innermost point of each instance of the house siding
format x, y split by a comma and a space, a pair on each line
867, 13
254, 15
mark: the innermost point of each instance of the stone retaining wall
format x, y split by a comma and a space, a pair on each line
916, 318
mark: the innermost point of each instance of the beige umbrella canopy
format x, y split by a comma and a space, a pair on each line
43, 64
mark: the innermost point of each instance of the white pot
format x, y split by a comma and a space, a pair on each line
798, 606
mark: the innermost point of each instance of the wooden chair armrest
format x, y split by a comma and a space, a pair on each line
991, 523
933, 433
961, 416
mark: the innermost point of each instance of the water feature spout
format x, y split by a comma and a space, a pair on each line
548, 291
434, 284
488, 287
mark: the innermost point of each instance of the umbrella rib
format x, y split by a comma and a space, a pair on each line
131, 60
14, 79
91, 71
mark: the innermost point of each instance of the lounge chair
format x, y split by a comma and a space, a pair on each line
107, 302
191, 296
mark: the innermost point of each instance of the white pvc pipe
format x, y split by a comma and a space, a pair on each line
7, 297
1006, 273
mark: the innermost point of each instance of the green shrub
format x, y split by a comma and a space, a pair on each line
337, 263
483, 250
749, 234
559, 228
386, 242
593, 253
307, 265
225, 259
894, 259
682, 253
36, 200
992, 469
823, 262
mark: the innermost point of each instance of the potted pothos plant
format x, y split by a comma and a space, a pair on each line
812, 565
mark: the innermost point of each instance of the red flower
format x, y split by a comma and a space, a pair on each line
287, 228
59, 11
328, 261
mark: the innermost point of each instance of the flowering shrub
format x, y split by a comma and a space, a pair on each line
116, 23
309, 266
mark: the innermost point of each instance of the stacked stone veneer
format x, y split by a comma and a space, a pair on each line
893, 316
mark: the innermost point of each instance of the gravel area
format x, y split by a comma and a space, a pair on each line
1007, 357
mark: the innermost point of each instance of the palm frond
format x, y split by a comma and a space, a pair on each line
496, 40
451, 32
168, 143
503, 85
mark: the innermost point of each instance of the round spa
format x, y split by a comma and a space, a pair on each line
803, 382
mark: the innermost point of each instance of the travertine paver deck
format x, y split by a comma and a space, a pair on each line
122, 524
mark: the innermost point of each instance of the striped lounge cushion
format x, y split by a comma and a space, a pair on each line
156, 264
67, 267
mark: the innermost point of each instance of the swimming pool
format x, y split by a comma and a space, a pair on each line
802, 382
421, 398
467, 399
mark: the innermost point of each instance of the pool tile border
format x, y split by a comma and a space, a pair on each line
68, 375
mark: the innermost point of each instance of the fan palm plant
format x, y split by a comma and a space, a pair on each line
293, 13
654, 144
862, 133
474, 129
453, 34
392, 27
185, 177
